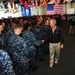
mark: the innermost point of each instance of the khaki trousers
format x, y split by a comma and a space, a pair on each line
54, 49
71, 29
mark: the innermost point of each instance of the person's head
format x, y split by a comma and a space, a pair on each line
21, 21
46, 22
13, 25
18, 29
41, 18
24, 21
52, 23
28, 26
3, 23
1, 27
36, 24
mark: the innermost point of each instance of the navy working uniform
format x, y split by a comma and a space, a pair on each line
44, 30
6, 65
31, 41
18, 51
38, 35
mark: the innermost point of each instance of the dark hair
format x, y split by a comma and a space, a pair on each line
36, 22
27, 25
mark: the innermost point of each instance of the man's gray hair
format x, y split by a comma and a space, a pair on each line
53, 20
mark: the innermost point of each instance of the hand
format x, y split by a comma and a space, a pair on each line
42, 41
61, 46
28, 60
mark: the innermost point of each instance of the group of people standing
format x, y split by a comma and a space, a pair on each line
23, 41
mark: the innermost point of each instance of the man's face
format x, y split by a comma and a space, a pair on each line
1, 28
20, 30
30, 27
3, 24
46, 22
52, 24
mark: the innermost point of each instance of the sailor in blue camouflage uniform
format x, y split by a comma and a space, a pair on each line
38, 35
6, 65
44, 28
8, 34
31, 41
18, 50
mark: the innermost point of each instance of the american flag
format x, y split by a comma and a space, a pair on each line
55, 9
